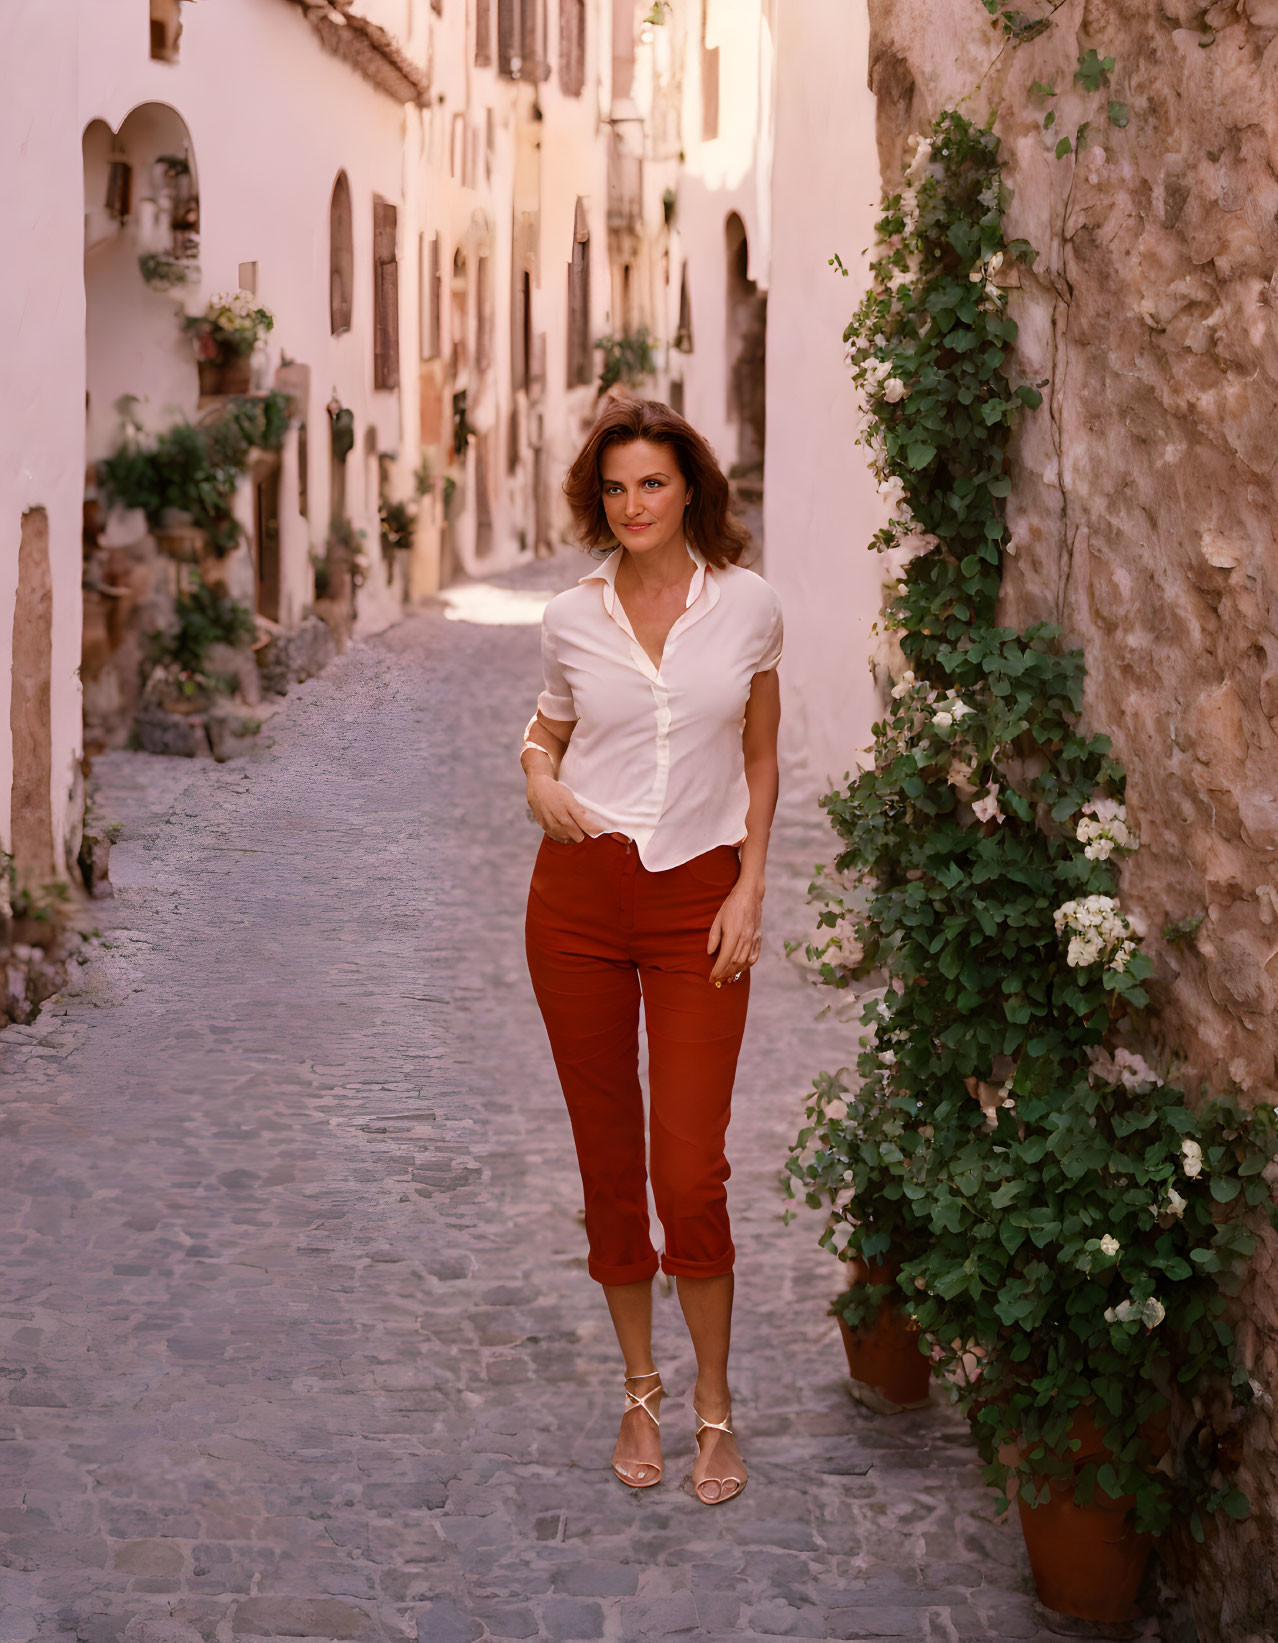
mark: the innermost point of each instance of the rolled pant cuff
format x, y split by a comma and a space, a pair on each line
699, 1269
636, 1273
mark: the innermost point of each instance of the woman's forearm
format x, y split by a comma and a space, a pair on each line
539, 733
763, 782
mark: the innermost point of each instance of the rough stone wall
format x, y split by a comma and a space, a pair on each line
1143, 515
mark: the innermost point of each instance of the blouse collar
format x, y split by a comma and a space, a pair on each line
606, 572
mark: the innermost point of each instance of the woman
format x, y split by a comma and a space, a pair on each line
652, 769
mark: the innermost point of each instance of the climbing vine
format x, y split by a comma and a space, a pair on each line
1054, 1201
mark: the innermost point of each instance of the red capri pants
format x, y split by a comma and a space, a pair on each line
601, 931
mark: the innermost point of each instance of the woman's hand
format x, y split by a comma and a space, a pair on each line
556, 809
737, 932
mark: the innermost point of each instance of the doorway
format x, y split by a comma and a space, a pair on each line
266, 539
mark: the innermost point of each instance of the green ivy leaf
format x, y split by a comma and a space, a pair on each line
919, 454
1093, 71
1119, 114
1063, 148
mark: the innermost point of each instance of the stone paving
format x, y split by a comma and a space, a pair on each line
298, 1340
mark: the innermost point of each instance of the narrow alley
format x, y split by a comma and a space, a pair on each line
300, 1338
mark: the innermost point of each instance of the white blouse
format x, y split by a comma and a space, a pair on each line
656, 753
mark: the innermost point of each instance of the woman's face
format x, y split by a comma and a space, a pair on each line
644, 494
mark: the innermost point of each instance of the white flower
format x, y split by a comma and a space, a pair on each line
1109, 1245
987, 809
877, 369
1125, 1311
1103, 829
1176, 1205
1098, 931
1153, 1313
995, 263
945, 720
959, 708
1192, 1157
1132, 1071
1110, 1315
894, 390
849, 1175
903, 686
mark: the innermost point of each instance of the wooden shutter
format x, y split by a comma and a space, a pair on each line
385, 297
483, 315
341, 257
483, 34
709, 83
508, 20
572, 46
530, 42
579, 349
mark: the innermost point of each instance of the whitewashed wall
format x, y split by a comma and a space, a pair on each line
42, 349
821, 506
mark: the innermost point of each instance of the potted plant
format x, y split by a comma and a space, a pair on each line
225, 336
1070, 1224
842, 1160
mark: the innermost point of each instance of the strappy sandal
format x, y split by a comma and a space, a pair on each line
639, 1400
704, 1425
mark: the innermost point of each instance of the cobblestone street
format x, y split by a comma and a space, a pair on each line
297, 1332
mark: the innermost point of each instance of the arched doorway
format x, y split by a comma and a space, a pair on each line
746, 354
141, 245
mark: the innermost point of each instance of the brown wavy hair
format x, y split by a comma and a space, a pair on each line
710, 526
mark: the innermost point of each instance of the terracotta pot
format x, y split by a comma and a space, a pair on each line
885, 1354
1087, 1561
230, 375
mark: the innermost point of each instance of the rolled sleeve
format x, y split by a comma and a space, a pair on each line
773, 644
555, 700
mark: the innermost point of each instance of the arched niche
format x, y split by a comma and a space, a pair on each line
141, 247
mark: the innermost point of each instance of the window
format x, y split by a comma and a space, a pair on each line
429, 293
459, 304
483, 34
385, 296
683, 333
572, 46
521, 365
580, 353
709, 83
341, 257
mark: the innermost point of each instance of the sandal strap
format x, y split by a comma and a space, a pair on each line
704, 1425
639, 1400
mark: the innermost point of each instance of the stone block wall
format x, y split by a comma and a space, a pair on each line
1144, 518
